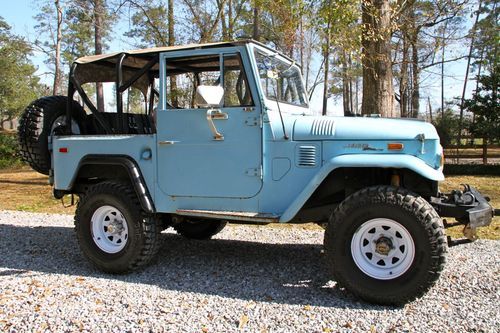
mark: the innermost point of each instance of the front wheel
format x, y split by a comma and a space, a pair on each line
113, 232
386, 245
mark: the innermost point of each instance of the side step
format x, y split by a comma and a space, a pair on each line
239, 216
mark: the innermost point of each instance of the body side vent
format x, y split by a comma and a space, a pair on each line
307, 156
323, 127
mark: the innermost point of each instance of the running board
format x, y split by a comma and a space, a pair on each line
239, 216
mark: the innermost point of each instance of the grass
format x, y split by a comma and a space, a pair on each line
26, 190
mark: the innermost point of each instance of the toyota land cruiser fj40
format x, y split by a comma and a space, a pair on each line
203, 135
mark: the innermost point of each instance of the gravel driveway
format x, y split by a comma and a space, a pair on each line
246, 279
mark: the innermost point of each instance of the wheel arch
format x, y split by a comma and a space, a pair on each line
97, 168
422, 175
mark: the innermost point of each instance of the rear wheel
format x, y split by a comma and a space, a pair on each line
113, 232
386, 245
199, 229
39, 121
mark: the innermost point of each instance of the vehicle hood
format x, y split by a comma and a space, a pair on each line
309, 128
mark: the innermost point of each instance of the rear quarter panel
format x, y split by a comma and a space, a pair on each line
66, 164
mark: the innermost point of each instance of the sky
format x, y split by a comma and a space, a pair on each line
19, 15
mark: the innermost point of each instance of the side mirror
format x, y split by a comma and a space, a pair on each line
209, 96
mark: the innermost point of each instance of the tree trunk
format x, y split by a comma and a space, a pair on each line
171, 36
415, 93
351, 101
346, 98
301, 47
485, 151
442, 70
430, 108
171, 42
378, 91
98, 24
471, 48
256, 13
356, 110
230, 23
57, 61
403, 82
326, 57
223, 23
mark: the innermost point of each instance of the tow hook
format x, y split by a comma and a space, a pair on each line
469, 233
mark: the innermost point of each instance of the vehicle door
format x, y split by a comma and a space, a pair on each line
203, 151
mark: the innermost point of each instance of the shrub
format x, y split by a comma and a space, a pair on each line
447, 126
9, 150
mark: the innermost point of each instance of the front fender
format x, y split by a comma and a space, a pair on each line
361, 161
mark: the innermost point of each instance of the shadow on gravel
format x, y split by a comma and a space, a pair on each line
275, 273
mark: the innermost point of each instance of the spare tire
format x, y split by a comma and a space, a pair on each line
38, 122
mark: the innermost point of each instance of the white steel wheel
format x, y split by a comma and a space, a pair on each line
382, 249
109, 229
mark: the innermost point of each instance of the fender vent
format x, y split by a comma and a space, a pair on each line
306, 156
323, 127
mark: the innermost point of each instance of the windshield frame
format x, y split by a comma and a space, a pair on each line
268, 100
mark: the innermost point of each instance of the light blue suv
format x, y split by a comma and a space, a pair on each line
197, 136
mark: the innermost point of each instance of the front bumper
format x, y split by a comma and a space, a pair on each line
467, 207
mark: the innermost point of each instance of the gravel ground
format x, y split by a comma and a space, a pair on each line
247, 279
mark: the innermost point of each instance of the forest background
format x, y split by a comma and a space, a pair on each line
436, 60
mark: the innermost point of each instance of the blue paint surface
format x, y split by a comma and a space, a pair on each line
255, 168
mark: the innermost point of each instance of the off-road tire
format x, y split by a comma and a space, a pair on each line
144, 231
35, 127
202, 230
408, 209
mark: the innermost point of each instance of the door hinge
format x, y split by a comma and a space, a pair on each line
254, 172
252, 121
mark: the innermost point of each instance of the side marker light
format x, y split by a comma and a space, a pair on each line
395, 146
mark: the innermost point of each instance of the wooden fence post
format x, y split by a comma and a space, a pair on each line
485, 151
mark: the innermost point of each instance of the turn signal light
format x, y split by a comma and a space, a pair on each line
395, 146
63, 150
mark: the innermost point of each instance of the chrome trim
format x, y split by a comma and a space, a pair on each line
217, 115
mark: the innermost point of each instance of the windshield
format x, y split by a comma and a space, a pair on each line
285, 82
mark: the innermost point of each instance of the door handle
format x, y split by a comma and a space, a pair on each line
163, 143
216, 114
